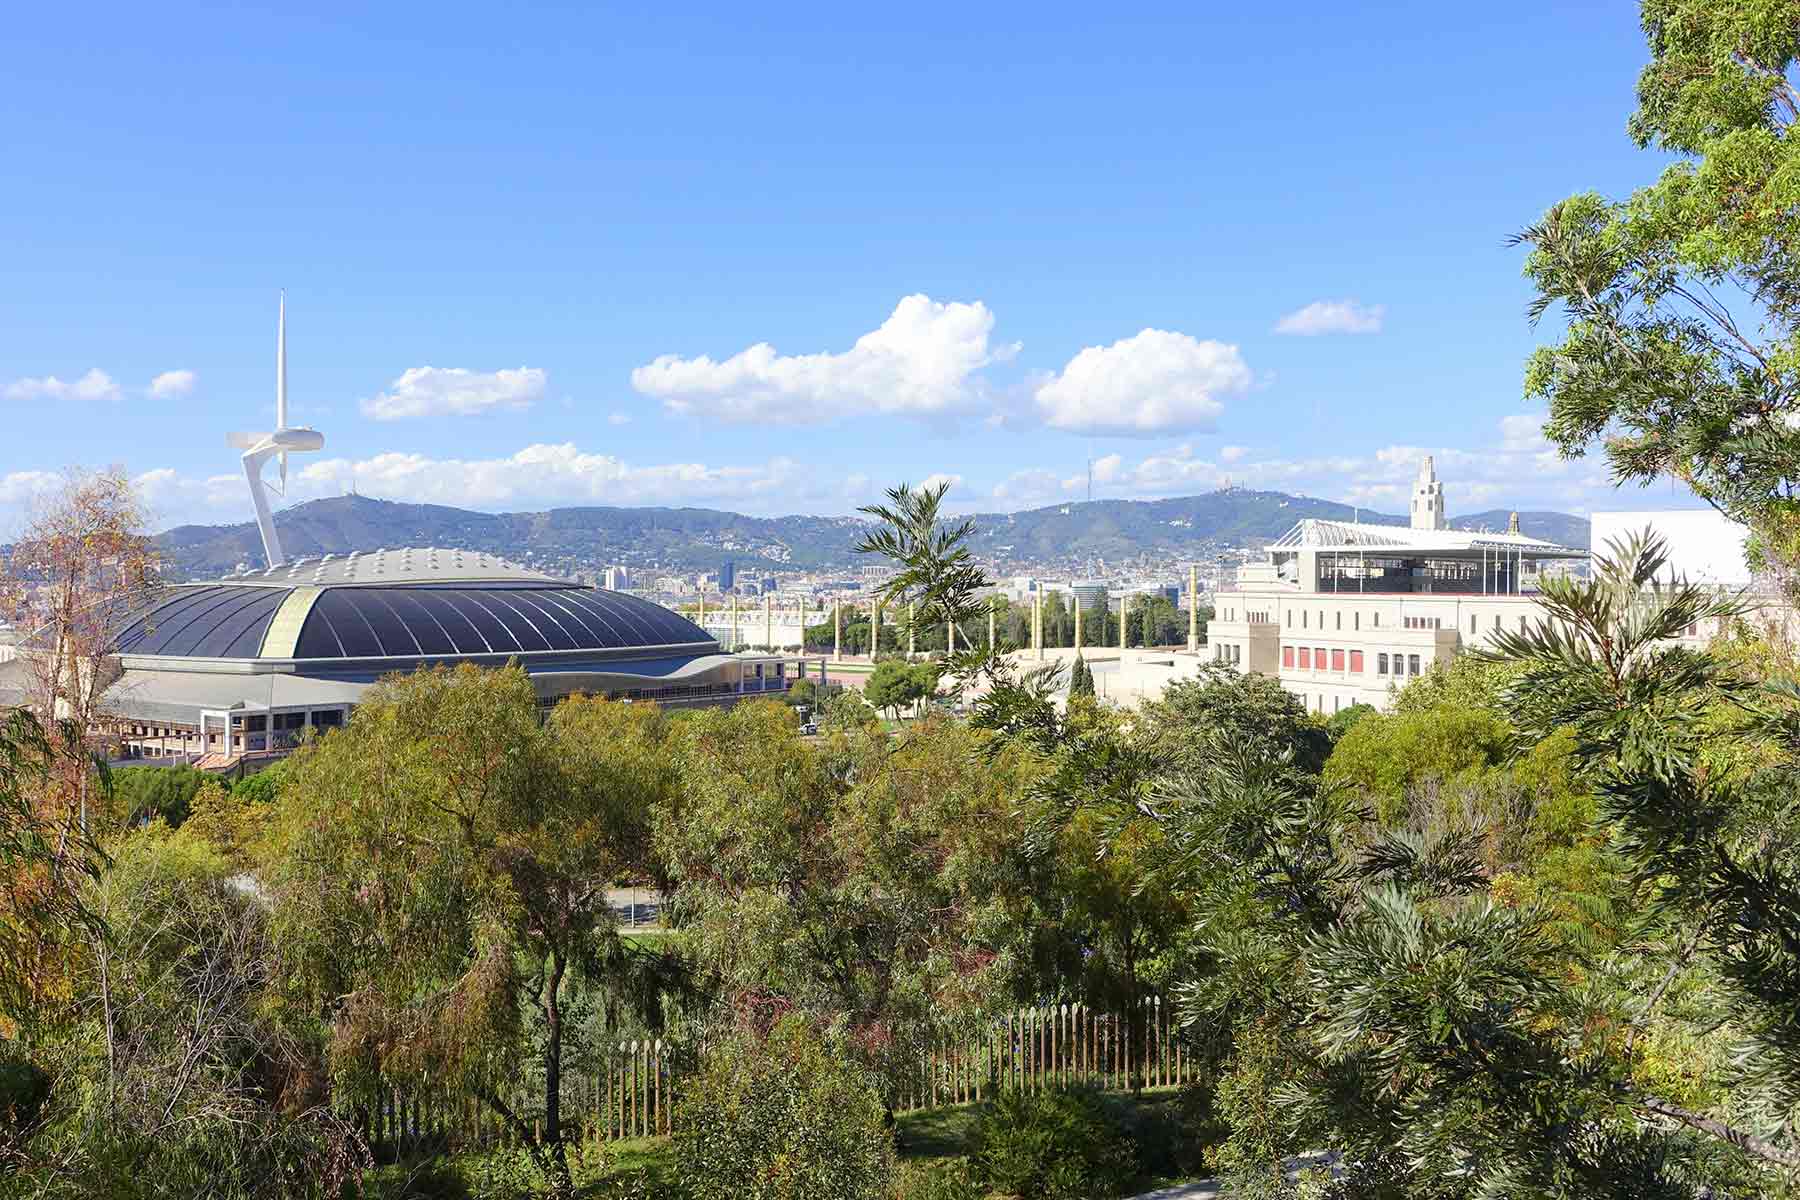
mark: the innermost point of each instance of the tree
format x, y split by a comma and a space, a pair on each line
1387, 757
879, 901
441, 883
83, 567
1081, 678
1683, 302
144, 793
890, 687
1241, 709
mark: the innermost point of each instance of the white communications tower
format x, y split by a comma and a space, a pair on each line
280, 441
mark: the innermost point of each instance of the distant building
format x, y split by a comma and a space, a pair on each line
617, 579
727, 575
1703, 545
768, 585
1342, 612
1090, 594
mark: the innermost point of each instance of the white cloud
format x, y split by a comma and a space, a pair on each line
1522, 431
172, 383
921, 362
554, 474
1154, 382
931, 481
19, 487
1332, 316
95, 385
455, 391
618, 418
1524, 472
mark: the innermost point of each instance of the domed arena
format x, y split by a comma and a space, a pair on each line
245, 665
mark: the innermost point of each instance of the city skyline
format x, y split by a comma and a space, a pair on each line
642, 263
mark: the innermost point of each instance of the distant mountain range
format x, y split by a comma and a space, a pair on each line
691, 539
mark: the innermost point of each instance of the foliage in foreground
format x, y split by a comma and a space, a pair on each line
780, 1116
1058, 1143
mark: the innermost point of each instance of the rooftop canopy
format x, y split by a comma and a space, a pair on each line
1314, 533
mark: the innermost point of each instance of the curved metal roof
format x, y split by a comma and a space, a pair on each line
406, 620
431, 620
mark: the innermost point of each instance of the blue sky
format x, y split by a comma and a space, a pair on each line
776, 260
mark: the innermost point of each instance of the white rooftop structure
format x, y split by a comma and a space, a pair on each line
406, 564
1316, 533
1703, 545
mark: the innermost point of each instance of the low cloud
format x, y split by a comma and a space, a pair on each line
95, 385
172, 383
455, 391
1155, 382
920, 362
1332, 316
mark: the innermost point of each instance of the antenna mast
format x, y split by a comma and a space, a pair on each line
278, 443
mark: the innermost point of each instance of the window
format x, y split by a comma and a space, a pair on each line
1472, 620
1356, 662
1337, 660
1290, 618
329, 719
1412, 664
1381, 664
1305, 658
1496, 622
1340, 619
1356, 620
1303, 618
1287, 656
1377, 617
1319, 657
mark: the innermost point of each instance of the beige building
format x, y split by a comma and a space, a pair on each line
1344, 612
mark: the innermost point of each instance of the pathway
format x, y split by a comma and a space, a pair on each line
1209, 1189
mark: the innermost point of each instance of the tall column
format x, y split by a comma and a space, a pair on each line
702, 621
874, 629
734, 623
768, 623
993, 608
912, 641
1124, 617
1037, 624
1193, 609
1077, 600
837, 632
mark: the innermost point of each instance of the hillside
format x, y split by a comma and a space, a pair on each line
692, 539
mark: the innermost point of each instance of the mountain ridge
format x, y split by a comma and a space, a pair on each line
688, 538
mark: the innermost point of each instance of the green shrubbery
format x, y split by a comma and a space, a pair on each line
1056, 1144
782, 1117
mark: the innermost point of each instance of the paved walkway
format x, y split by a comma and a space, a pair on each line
1208, 1189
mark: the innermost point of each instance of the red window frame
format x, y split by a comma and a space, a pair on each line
1306, 658
1356, 662
1337, 660
1287, 656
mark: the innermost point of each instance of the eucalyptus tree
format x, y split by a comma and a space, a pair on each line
1682, 351
440, 885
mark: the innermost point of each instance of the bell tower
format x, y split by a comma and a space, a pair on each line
1428, 498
